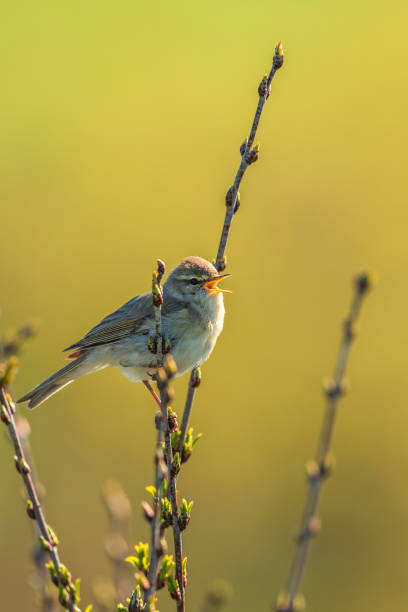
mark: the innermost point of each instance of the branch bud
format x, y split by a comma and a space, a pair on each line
5, 416
171, 366
10, 371
148, 511
161, 269
222, 265
332, 389
263, 88
45, 545
176, 464
243, 146
172, 420
252, 155
30, 509
152, 344
196, 377
365, 281
229, 196
157, 293
279, 56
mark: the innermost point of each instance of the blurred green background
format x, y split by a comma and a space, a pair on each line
121, 124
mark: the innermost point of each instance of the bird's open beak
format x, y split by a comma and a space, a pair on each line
212, 284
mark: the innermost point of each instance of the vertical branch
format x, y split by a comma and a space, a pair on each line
160, 467
321, 467
249, 155
173, 467
157, 299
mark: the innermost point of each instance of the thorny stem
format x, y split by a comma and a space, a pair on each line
320, 468
9, 410
249, 155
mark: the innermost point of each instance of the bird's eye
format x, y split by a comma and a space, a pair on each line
194, 281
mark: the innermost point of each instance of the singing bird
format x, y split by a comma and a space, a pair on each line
192, 319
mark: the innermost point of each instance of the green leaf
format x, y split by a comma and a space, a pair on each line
152, 490
133, 561
197, 438
141, 561
167, 564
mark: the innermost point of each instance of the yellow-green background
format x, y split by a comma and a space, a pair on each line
121, 123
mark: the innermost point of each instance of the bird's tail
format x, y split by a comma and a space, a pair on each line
57, 381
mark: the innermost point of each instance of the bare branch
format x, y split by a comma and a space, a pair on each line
321, 467
193, 384
60, 575
249, 154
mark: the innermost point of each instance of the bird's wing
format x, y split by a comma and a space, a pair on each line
133, 317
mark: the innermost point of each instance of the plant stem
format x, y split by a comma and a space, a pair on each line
160, 469
193, 383
248, 156
321, 466
49, 603
24, 469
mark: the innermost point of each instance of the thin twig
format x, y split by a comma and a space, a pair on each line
39, 556
34, 509
193, 384
321, 467
249, 155
11, 345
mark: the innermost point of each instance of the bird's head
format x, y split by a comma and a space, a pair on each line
195, 279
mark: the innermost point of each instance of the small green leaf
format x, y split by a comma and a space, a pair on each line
197, 438
152, 490
167, 564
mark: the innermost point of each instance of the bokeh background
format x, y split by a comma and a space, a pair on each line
121, 124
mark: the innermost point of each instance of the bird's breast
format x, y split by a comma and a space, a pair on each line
193, 335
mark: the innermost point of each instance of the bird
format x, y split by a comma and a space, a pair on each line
192, 318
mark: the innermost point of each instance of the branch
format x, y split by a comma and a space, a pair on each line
173, 467
193, 384
157, 299
41, 580
160, 467
249, 155
67, 589
321, 467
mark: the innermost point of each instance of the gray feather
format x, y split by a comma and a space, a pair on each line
130, 318
54, 383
